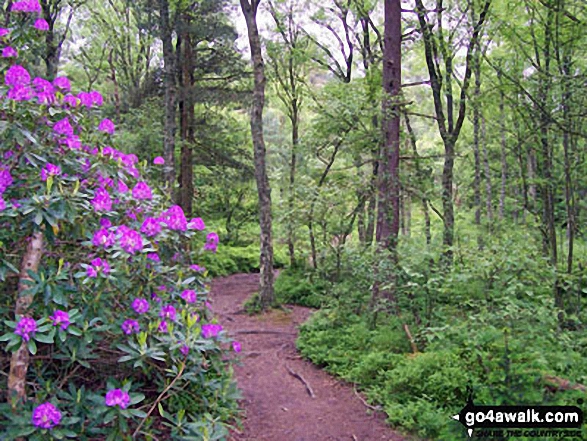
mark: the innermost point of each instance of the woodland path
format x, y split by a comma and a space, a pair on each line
277, 404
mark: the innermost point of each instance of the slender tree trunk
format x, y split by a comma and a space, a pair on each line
504, 162
388, 217
427, 232
169, 83
488, 186
266, 292
476, 150
295, 140
19, 363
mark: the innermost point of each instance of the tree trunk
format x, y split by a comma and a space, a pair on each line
388, 216
476, 150
504, 162
19, 363
295, 139
488, 186
170, 94
266, 292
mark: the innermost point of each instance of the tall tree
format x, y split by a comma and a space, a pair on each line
439, 50
388, 216
52, 11
267, 296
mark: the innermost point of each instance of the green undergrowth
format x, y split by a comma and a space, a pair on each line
238, 259
489, 324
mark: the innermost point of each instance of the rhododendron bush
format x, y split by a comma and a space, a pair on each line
107, 331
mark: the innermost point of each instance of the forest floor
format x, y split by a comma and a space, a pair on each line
277, 384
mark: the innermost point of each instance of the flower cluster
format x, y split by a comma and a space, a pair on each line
211, 242
140, 306
211, 330
102, 200
117, 397
25, 327
46, 416
98, 266
130, 327
189, 296
60, 318
5, 182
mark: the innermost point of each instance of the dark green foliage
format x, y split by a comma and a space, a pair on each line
300, 288
233, 260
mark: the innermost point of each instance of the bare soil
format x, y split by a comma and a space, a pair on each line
276, 382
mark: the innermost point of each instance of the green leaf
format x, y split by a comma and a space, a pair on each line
44, 338
32, 346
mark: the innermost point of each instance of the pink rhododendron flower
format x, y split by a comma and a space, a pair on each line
141, 191
163, 327
5, 178
159, 161
62, 83
105, 222
211, 330
4, 32
197, 268
154, 257
60, 318
20, 93
117, 397
98, 266
130, 240
63, 127
184, 349
174, 218
2, 204
140, 305
71, 100
212, 237
130, 327
102, 200
103, 238
189, 296
46, 416
41, 24
132, 172
17, 76
25, 327
122, 188
96, 98
168, 311
73, 142
236, 346
85, 99
106, 126
151, 227
26, 6
50, 170
9, 52
44, 90
196, 224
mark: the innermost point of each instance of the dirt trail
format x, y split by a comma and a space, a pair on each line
277, 404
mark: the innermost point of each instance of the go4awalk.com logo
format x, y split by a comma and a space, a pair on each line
518, 421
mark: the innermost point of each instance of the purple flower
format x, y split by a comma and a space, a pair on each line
85, 99
197, 268
106, 126
140, 305
20, 93
63, 127
62, 83
103, 238
130, 240
158, 160
168, 311
97, 98
151, 227
70, 100
97, 266
24, 327
141, 191
211, 246
132, 171
212, 238
60, 318
174, 218
189, 296
102, 200
130, 327
4, 32
196, 224
154, 257
211, 330
184, 349
9, 52
50, 170
236, 346
105, 222
122, 188
73, 142
46, 416
5, 178
45, 90
117, 397
163, 327
26, 6
17, 76
162, 288
2, 204
41, 24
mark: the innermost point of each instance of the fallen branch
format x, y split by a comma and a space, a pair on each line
253, 331
411, 339
558, 383
302, 379
373, 408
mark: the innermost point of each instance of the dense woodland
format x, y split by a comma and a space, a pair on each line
415, 169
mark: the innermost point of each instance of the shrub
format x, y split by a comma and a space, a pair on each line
111, 323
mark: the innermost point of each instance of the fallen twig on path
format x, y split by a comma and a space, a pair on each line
257, 331
374, 408
302, 379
